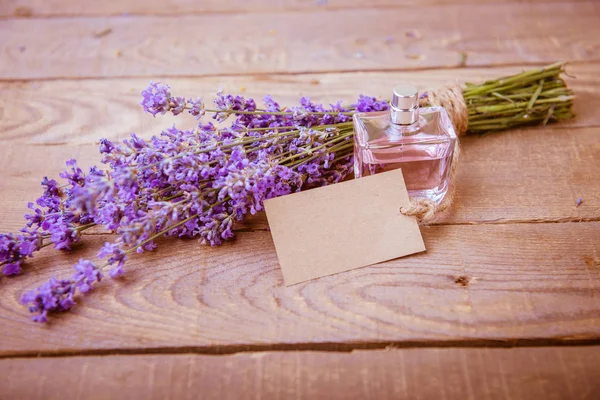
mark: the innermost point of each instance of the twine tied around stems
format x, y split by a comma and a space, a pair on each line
452, 100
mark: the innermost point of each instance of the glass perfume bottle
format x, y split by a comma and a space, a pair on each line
418, 140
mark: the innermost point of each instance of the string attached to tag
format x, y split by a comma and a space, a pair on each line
452, 100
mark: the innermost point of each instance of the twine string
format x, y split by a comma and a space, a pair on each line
452, 100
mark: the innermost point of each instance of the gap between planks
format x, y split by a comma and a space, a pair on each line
332, 347
25, 11
259, 74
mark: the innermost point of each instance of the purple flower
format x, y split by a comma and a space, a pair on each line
229, 104
63, 235
86, 274
15, 249
53, 296
57, 295
37, 217
12, 268
74, 175
370, 104
178, 105
117, 256
118, 271
271, 105
50, 199
28, 245
106, 146
85, 199
156, 98
196, 107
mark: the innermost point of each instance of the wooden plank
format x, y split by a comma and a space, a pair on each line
84, 111
526, 175
303, 41
514, 283
469, 373
53, 8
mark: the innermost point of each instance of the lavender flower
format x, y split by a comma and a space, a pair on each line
51, 198
50, 222
370, 104
75, 175
178, 105
196, 108
228, 105
156, 98
58, 295
86, 274
15, 249
106, 146
117, 256
53, 296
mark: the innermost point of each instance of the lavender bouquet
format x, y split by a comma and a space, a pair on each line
200, 182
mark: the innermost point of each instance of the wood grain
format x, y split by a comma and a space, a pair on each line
527, 175
53, 8
514, 283
62, 111
303, 41
555, 373
496, 272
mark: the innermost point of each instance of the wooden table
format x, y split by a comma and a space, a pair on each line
504, 303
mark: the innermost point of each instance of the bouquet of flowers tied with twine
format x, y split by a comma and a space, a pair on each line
200, 182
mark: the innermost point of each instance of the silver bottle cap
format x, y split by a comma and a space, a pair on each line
404, 107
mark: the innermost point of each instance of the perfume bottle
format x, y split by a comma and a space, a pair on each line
420, 141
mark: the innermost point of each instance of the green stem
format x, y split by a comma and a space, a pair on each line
151, 238
279, 112
341, 156
275, 128
306, 160
251, 140
79, 228
86, 226
312, 150
535, 95
515, 80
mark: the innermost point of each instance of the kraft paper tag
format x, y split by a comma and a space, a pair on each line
341, 227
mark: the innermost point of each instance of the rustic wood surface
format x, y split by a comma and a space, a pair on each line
515, 265
485, 284
299, 42
49, 8
524, 373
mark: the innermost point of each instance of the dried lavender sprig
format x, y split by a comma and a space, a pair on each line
59, 295
50, 223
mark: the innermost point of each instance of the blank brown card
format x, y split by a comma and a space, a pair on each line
344, 226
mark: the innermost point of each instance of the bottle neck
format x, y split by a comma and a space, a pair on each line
407, 121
